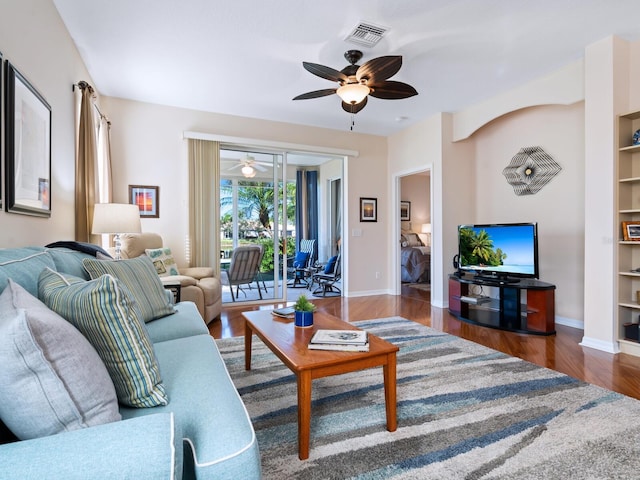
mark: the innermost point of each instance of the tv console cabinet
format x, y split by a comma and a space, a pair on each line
507, 312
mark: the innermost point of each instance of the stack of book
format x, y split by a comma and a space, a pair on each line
284, 312
345, 340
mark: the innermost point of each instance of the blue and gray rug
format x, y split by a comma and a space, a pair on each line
464, 412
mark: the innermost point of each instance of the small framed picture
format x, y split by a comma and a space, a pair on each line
368, 209
405, 211
631, 231
147, 198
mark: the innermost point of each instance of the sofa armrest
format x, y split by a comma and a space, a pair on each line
144, 447
197, 272
183, 280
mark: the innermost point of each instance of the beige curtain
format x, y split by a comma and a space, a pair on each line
93, 162
86, 166
204, 199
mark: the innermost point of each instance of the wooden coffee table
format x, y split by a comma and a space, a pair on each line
289, 343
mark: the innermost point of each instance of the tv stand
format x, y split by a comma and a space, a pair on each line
495, 281
536, 316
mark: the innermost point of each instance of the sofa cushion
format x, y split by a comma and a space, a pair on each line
185, 323
140, 277
23, 265
69, 261
102, 310
163, 260
208, 409
51, 380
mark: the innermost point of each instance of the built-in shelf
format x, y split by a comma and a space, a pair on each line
628, 210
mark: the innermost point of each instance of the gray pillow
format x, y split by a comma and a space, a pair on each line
51, 380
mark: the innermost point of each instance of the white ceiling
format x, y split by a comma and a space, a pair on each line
244, 57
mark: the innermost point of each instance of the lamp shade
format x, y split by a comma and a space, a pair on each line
426, 228
115, 218
353, 93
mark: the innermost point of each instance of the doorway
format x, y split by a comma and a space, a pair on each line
415, 214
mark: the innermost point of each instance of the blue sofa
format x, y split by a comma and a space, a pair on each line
203, 433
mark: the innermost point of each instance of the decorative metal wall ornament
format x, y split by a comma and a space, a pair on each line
530, 170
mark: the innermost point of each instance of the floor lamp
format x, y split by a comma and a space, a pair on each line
115, 219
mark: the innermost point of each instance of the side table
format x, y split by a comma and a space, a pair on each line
175, 289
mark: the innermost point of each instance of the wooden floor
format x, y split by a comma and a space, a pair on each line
561, 352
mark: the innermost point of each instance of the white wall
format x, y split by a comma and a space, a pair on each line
34, 39
558, 207
148, 149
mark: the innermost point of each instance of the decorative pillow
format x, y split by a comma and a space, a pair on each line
331, 264
140, 277
162, 259
413, 240
51, 380
300, 260
103, 311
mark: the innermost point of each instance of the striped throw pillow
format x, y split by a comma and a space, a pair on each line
102, 310
140, 277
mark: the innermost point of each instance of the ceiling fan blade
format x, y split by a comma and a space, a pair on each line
392, 90
349, 108
236, 166
379, 69
316, 94
259, 167
325, 72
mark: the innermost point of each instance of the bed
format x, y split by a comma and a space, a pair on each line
415, 259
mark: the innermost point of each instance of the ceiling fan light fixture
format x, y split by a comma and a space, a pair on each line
353, 93
248, 171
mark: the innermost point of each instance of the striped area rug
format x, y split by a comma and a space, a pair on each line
464, 412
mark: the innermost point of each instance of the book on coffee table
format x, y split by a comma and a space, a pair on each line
352, 338
285, 312
339, 347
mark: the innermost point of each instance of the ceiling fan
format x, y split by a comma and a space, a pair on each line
358, 82
249, 165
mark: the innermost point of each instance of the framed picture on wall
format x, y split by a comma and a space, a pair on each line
631, 231
27, 147
147, 198
368, 209
405, 211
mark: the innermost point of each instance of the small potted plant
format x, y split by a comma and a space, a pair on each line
303, 312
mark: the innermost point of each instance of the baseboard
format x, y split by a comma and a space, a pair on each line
609, 347
367, 293
570, 322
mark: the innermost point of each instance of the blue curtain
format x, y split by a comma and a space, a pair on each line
307, 197
312, 209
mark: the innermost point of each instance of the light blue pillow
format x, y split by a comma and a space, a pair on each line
142, 281
102, 310
51, 379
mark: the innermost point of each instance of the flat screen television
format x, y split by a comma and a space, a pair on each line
505, 252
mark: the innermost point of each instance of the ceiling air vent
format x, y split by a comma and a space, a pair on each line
367, 34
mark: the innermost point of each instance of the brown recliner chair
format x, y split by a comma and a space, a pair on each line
197, 284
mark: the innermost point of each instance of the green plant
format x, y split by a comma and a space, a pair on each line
304, 305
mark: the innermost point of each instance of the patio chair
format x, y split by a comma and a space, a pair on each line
327, 280
301, 266
243, 269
